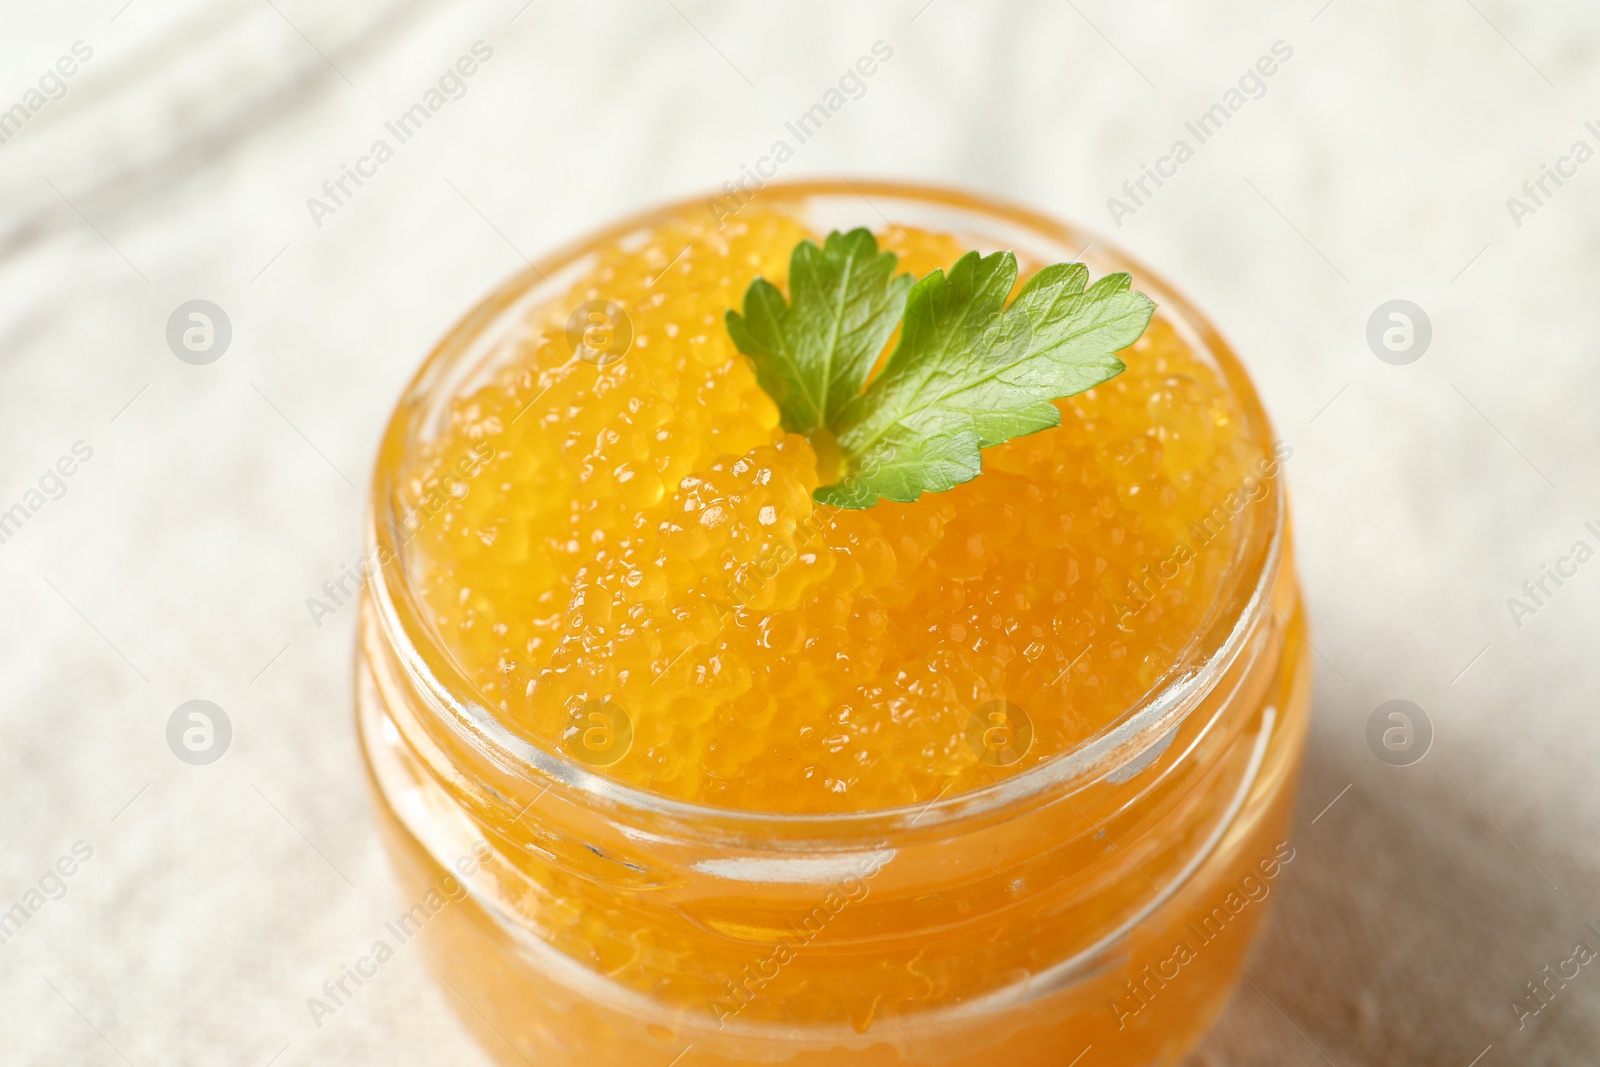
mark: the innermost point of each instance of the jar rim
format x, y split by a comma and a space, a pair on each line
1222, 640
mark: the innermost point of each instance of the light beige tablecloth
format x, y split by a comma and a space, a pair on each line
206, 903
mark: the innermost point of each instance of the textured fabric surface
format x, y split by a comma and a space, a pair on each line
175, 562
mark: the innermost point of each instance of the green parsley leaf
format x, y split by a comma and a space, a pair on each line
969, 371
813, 352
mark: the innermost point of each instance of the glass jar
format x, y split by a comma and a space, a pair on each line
1094, 909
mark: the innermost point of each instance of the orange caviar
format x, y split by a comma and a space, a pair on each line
729, 764
644, 537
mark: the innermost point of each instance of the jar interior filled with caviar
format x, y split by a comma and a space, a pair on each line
700, 767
